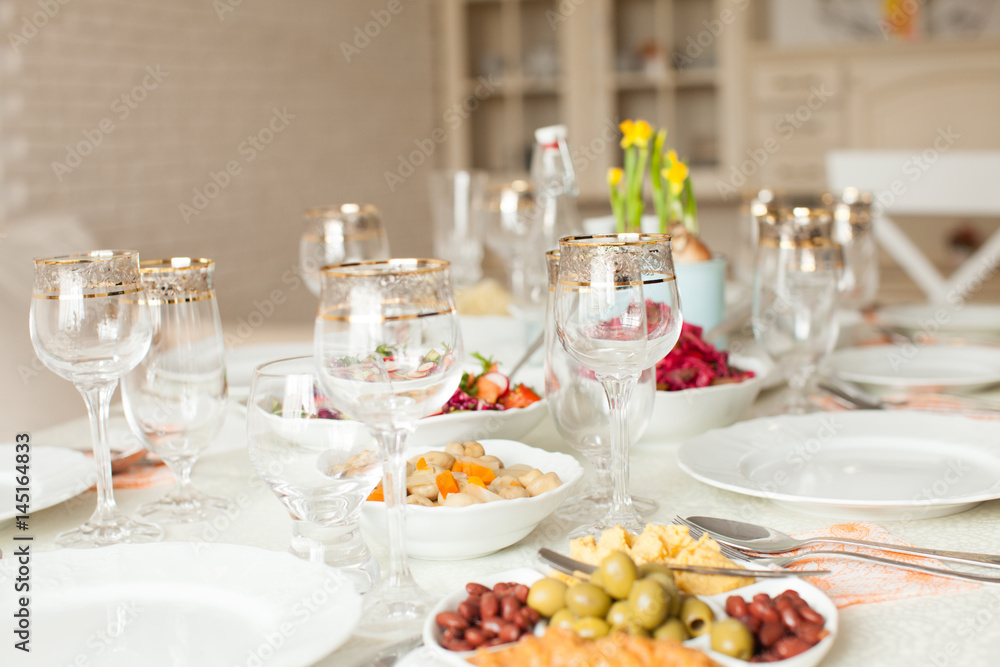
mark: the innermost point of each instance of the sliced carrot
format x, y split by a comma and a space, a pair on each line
514, 482
422, 464
377, 494
446, 483
475, 470
520, 396
487, 391
478, 482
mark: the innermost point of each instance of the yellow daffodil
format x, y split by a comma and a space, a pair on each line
615, 176
677, 172
635, 133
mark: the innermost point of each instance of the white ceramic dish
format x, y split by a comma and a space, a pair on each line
456, 533
932, 318
918, 366
816, 598
56, 475
861, 465
182, 603
678, 415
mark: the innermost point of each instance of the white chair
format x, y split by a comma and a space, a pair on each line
934, 182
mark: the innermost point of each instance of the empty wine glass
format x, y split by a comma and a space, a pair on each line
852, 231
388, 347
795, 296
579, 408
90, 324
456, 196
617, 313
321, 467
337, 234
175, 399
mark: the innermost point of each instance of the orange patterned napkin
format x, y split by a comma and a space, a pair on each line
857, 582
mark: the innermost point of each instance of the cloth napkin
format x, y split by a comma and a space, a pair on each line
853, 582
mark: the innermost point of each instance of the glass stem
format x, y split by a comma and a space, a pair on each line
602, 476
798, 382
391, 442
619, 390
181, 467
98, 400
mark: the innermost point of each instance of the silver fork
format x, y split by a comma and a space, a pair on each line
783, 561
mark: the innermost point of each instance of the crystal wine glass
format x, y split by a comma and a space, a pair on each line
388, 347
796, 295
579, 408
617, 313
175, 399
90, 324
321, 467
337, 234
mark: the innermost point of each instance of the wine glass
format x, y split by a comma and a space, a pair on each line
175, 399
852, 231
617, 313
388, 347
321, 467
337, 234
90, 324
579, 408
795, 296
456, 196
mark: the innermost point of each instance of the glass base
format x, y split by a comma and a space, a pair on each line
113, 528
341, 547
394, 612
190, 507
588, 509
629, 520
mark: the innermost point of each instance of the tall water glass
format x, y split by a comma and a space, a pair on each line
456, 196
175, 399
580, 411
388, 350
338, 234
90, 324
617, 313
796, 296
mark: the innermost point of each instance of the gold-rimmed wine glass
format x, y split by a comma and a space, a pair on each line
388, 348
617, 313
340, 234
175, 399
90, 324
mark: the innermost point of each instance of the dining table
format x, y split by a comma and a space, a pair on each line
947, 627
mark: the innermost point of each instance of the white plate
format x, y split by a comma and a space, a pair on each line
241, 360
180, 604
56, 474
918, 366
816, 598
863, 464
931, 318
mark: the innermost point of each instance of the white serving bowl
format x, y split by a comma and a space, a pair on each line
816, 598
678, 415
456, 533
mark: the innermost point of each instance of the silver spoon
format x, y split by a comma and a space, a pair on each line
769, 541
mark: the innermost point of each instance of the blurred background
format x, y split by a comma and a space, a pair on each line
205, 128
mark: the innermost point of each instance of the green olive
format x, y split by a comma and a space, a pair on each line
618, 571
636, 630
672, 629
666, 579
591, 628
586, 599
732, 638
619, 615
547, 596
563, 618
649, 603
596, 578
696, 616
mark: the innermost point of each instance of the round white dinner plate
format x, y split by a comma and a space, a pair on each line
56, 475
931, 318
918, 366
179, 603
863, 464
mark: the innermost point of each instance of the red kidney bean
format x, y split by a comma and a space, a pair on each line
762, 597
752, 622
475, 637
530, 615
770, 633
782, 603
809, 632
521, 593
489, 605
476, 589
792, 593
495, 641
469, 610
790, 646
448, 634
501, 588
811, 615
457, 645
451, 619
763, 611
736, 606
790, 618
492, 625
509, 607
509, 632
